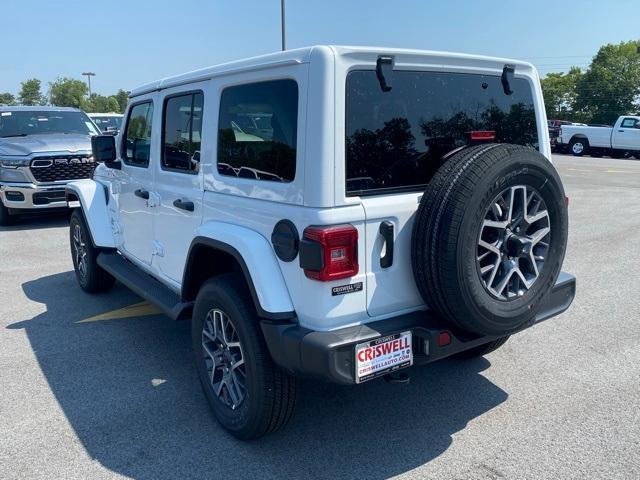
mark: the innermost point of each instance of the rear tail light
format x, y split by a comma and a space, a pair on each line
483, 135
329, 253
560, 132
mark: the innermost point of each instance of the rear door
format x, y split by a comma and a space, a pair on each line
178, 187
395, 143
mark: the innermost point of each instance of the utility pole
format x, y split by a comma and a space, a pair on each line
89, 75
284, 45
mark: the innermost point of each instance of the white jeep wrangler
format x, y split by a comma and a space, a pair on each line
333, 212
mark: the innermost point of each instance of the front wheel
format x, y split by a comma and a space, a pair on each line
6, 219
91, 277
249, 395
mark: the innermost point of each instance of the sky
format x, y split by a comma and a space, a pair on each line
131, 42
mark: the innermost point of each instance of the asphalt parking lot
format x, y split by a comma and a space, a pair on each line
86, 392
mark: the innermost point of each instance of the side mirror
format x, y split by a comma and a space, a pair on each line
104, 150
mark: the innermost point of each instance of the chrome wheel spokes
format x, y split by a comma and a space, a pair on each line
513, 242
80, 251
224, 359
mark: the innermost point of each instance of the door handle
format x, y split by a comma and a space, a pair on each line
620, 131
386, 230
142, 194
184, 205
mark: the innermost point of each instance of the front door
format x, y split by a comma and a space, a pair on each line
628, 135
138, 157
178, 183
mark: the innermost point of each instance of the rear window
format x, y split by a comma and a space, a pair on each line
395, 140
257, 134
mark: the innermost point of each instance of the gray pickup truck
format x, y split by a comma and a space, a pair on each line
41, 149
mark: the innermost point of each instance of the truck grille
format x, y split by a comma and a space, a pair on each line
69, 167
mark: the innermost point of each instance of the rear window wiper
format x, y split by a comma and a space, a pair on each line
14, 135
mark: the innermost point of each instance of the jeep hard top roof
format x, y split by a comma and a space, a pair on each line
303, 55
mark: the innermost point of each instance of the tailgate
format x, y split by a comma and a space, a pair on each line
390, 289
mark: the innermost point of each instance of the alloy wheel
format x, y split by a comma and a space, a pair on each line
224, 359
80, 251
513, 242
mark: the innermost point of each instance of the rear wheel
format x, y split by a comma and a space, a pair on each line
91, 277
483, 350
249, 395
489, 238
579, 146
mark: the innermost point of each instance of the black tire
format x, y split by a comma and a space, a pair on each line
579, 147
447, 230
270, 392
91, 277
482, 350
6, 219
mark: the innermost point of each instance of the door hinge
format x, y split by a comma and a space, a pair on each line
158, 249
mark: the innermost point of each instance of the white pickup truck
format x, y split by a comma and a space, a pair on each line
620, 141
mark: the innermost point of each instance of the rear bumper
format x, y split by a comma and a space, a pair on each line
330, 355
23, 197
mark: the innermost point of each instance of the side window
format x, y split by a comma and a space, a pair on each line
257, 131
138, 135
629, 123
182, 126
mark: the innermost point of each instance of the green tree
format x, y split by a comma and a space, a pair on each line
102, 104
559, 91
122, 98
611, 85
7, 99
30, 93
68, 92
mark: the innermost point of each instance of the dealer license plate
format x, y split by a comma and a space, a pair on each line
383, 355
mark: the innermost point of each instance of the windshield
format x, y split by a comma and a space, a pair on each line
107, 122
21, 123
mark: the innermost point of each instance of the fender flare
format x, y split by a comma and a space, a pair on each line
93, 198
257, 261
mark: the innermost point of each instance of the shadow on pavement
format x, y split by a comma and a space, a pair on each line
129, 389
36, 221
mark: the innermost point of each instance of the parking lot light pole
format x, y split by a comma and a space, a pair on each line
89, 75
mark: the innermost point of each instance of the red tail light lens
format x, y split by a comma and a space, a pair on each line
483, 135
336, 249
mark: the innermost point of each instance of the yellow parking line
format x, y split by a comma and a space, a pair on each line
136, 310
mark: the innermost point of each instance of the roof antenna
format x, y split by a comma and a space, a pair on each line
507, 77
384, 64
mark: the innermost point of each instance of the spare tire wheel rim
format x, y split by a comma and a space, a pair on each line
578, 147
224, 359
513, 242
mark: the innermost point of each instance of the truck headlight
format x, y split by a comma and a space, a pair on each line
14, 162
12, 175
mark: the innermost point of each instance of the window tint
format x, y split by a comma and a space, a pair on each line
629, 123
138, 135
257, 131
396, 139
181, 132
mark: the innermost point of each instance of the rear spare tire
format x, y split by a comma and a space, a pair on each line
489, 238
